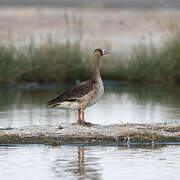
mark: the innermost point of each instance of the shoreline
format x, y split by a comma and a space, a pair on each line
73, 134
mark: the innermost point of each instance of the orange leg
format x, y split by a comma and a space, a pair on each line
83, 121
79, 116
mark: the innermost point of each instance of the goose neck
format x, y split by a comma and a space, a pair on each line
96, 72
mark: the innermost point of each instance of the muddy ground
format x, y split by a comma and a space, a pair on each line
95, 134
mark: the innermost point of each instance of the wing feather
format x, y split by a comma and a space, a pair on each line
73, 94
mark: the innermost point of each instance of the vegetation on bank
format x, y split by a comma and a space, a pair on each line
54, 62
49, 62
98, 140
122, 134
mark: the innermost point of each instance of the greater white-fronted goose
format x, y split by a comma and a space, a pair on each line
85, 94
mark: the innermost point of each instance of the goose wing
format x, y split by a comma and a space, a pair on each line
73, 94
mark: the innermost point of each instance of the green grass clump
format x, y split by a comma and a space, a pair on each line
48, 62
52, 62
147, 63
160, 65
8, 65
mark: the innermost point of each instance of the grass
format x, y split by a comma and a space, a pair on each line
156, 65
147, 63
8, 65
98, 139
55, 62
49, 62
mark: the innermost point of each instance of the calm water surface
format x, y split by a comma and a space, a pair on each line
93, 162
120, 104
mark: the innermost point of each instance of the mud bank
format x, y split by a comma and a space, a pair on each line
94, 134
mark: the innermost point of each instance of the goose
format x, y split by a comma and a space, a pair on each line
85, 94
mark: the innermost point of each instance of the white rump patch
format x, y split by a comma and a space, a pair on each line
68, 105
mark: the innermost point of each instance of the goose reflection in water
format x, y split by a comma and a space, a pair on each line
81, 160
76, 164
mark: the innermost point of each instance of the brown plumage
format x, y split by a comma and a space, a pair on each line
85, 94
73, 94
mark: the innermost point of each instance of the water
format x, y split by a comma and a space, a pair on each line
21, 106
121, 103
92, 162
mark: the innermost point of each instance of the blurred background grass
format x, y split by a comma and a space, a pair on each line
54, 60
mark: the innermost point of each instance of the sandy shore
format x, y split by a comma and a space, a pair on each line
96, 134
116, 28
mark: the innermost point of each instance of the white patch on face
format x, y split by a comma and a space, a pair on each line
102, 51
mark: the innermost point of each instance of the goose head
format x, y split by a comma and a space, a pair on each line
100, 52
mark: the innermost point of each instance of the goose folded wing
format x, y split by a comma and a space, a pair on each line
73, 94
